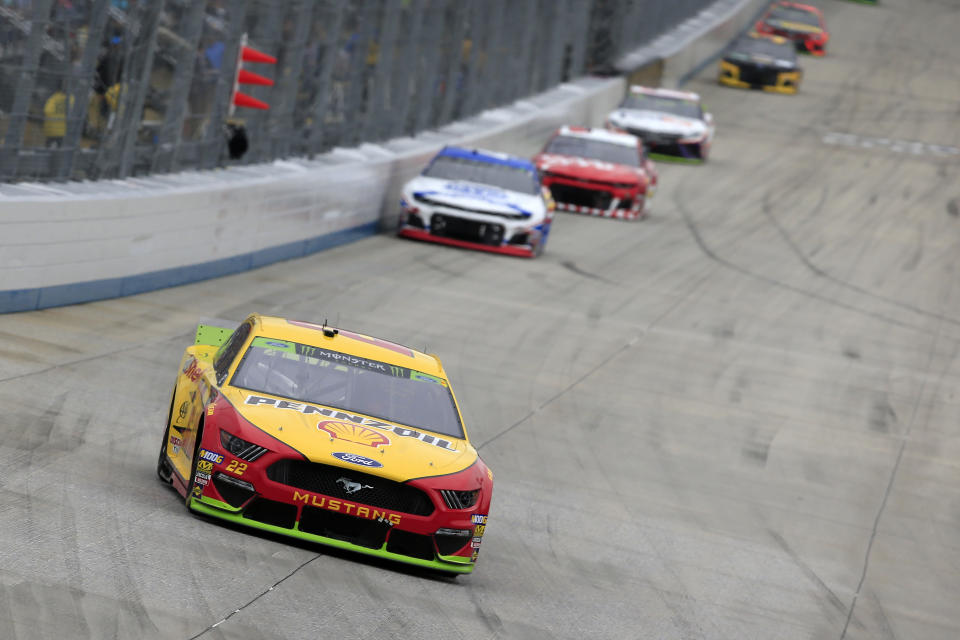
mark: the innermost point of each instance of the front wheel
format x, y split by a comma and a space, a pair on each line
164, 467
192, 486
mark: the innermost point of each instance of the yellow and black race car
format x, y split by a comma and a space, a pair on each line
761, 62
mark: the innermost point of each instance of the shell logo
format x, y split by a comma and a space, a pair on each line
350, 432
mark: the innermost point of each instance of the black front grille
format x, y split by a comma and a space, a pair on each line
465, 229
581, 197
521, 237
271, 512
410, 544
448, 544
654, 139
758, 75
340, 526
335, 482
413, 220
691, 151
233, 494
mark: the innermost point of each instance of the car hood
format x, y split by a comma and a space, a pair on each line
472, 196
586, 168
353, 441
657, 122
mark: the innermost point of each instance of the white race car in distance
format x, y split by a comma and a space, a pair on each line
672, 124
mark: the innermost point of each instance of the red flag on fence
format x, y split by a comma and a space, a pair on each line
249, 54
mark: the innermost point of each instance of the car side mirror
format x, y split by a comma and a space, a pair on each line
708, 118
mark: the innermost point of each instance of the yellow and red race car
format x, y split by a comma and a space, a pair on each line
802, 24
329, 436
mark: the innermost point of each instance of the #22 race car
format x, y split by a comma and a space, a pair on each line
597, 172
479, 200
328, 436
672, 124
761, 62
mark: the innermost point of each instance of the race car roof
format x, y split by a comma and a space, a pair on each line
665, 93
491, 157
349, 342
604, 135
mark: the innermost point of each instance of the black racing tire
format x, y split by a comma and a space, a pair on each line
193, 465
164, 467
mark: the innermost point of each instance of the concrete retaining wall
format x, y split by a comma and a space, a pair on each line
76, 242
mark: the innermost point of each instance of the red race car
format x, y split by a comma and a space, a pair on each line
598, 172
801, 23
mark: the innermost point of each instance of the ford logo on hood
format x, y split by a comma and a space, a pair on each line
353, 458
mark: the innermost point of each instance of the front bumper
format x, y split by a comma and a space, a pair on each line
508, 236
671, 147
524, 251
596, 199
413, 522
223, 511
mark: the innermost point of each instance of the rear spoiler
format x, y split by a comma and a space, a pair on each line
210, 335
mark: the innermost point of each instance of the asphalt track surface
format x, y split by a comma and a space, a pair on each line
738, 418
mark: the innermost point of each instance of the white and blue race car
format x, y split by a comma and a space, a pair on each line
480, 200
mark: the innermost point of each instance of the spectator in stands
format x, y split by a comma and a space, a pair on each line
55, 119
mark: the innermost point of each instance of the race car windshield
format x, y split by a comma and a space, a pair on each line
594, 149
498, 175
747, 47
319, 376
789, 14
676, 106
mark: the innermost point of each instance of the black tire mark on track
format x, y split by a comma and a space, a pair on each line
709, 252
821, 273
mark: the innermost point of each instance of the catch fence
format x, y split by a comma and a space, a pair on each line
106, 89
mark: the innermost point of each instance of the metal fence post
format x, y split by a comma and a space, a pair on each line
322, 99
213, 139
79, 99
283, 100
168, 139
479, 58
426, 92
522, 76
9, 155
134, 114
492, 83
373, 125
358, 98
456, 60
412, 50
580, 15
264, 36
556, 45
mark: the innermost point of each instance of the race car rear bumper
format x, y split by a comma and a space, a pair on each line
767, 79
522, 251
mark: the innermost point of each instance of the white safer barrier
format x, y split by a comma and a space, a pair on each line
76, 242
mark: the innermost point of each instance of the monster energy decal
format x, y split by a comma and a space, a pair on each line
336, 357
